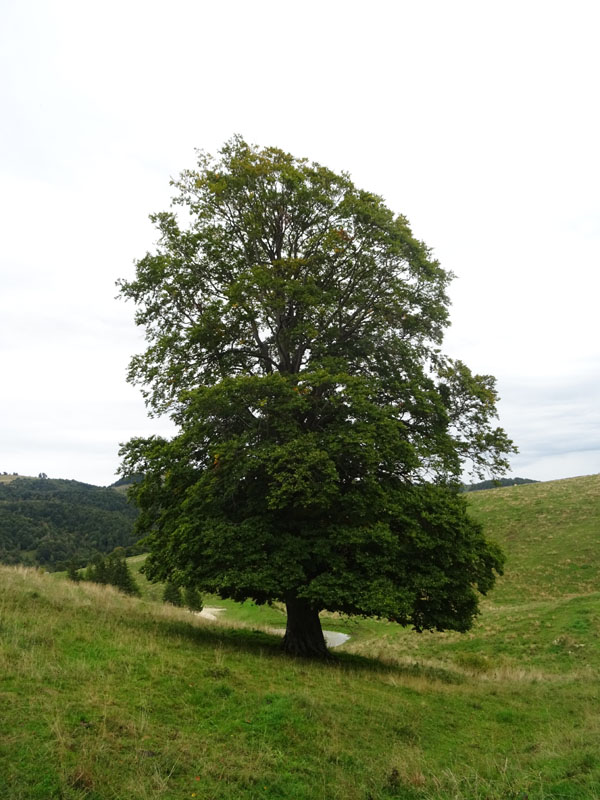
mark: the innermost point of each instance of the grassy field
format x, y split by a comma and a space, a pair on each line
106, 697
10, 478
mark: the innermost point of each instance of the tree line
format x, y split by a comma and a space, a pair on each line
496, 483
113, 570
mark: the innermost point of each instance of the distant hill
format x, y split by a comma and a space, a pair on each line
48, 522
9, 477
550, 532
123, 484
495, 484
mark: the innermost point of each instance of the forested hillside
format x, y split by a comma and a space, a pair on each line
48, 522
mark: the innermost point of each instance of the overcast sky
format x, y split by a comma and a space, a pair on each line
477, 120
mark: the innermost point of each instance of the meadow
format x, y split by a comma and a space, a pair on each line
107, 697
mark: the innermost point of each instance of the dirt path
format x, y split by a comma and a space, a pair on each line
333, 638
211, 612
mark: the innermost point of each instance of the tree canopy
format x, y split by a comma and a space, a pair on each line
294, 328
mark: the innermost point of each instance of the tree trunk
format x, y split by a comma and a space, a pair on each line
303, 634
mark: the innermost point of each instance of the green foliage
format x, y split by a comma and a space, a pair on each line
49, 522
125, 482
73, 570
192, 599
294, 331
96, 571
112, 570
172, 594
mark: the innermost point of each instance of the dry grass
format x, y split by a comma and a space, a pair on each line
105, 697
11, 478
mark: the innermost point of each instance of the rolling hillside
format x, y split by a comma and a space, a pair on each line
551, 534
104, 696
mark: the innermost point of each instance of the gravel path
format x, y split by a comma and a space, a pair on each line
333, 638
211, 612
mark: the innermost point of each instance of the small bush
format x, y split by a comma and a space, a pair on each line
112, 570
172, 594
192, 599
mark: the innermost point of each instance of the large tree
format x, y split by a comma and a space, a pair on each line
294, 327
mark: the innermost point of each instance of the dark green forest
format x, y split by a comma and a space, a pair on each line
47, 522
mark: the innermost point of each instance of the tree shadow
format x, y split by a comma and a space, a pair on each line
259, 643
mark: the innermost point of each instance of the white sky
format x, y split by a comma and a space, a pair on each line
477, 120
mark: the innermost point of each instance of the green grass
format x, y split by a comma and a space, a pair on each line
106, 697
550, 532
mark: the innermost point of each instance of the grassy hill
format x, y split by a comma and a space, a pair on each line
104, 696
8, 478
551, 533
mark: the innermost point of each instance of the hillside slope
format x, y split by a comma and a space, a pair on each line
551, 534
105, 697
